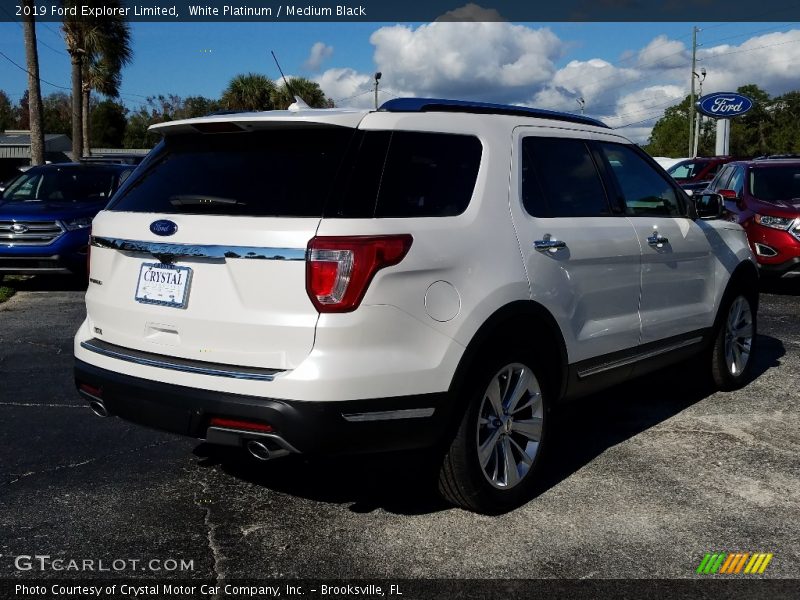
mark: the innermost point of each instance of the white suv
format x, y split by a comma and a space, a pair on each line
433, 272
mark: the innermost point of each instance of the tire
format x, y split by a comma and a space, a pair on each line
734, 342
477, 473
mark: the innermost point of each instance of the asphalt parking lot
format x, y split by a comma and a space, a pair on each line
641, 481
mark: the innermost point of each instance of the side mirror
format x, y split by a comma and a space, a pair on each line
709, 206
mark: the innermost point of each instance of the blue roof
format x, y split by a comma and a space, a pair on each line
444, 105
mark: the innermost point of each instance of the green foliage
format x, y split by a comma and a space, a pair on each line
6, 112
109, 121
772, 126
158, 109
57, 114
308, 90
252, 91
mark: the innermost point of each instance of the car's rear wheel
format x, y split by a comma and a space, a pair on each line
492, 462
734, 343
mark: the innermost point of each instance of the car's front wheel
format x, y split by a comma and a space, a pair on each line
492, 461
734, 343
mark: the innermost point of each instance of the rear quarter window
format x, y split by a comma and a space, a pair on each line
406, 174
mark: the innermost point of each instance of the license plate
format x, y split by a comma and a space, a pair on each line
163, 284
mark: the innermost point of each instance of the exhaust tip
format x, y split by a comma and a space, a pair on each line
99, 408
258, 450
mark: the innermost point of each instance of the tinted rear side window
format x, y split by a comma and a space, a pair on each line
285, 173
408, 174
559, 179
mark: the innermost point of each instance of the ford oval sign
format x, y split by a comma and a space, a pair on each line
724, 105
163, 227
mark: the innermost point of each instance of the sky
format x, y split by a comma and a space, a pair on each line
627, 73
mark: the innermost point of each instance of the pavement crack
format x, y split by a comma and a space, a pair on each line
218, 557
74, 465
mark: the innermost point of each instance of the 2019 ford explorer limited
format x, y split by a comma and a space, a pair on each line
45, 214
433, 272
764, 197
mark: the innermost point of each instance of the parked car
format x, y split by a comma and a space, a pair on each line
45, 214
665, 162
694, 174
434, 273
763, 196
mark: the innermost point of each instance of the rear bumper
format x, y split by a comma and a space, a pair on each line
351, 426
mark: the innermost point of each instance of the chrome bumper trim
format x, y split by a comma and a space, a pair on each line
167, 252
390, 415
178, 364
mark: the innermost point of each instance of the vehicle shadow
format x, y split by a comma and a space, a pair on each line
47, 283
780, 287
405, 483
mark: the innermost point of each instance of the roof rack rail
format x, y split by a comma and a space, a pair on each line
776, 156
444, 105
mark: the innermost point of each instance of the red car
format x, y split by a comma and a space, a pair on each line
695, 173
763, 195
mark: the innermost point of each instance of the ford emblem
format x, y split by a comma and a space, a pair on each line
163, 227
724, 105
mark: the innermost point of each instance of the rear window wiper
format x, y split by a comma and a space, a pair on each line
200, 199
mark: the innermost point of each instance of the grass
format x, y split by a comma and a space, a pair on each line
6, 293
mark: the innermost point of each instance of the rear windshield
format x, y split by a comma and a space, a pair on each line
285, 173
687, 170
776, 183
63, 184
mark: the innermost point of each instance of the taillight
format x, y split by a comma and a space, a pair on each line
340, 268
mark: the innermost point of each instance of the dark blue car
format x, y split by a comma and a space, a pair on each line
46, 212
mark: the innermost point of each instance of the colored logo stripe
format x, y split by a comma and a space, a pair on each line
733, 563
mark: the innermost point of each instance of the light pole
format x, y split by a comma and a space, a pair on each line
701, 78
582, 103
378, 75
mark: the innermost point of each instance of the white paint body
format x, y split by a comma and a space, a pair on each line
417, 317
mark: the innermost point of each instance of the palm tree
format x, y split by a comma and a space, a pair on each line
90, 41
309, 91
34, 87
102, 71
249, 92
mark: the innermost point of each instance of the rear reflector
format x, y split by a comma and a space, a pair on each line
340, 268
91, 390
240, 424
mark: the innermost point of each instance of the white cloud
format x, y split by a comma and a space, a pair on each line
662, 53
319, 53
492, 61
504, 62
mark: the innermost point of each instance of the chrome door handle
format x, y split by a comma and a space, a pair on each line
548, 244
657, 240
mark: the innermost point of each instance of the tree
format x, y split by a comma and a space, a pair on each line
751, 133
309, 91
6, 112
103, 72
670, 134
22, 113
56, 113
101, 44
785, 112
34, 89
109, 122
249, 92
